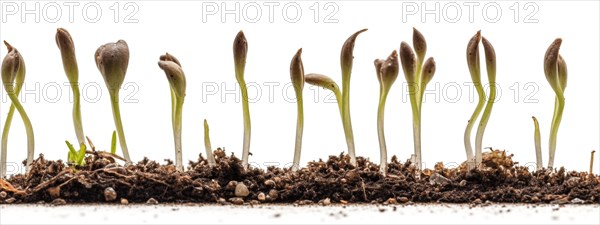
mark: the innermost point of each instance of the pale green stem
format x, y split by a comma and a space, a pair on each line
483, 123
538, 144
299, 131
208, 147
77, 121
474, 116
559, 103
177, 134
28, 128
11, 112
246, 109
346, 118
114, 101
412, 88
381, 131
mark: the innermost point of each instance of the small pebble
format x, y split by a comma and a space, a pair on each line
270, 183
152, 201
124, 201
10, 200
477, 201
241, 190
110, 194
262, 196
222, 201
462, 183
59, 201
393, 201
3, 195
273, 194
236, 201
232, 184
344, 202
327, 201
403, 199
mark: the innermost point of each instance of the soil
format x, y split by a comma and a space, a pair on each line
102, 180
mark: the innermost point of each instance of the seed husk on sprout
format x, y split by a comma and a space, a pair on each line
387, 72
240, 51
555, 69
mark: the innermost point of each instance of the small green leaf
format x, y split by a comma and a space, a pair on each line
72, 152
113, 143
81, 155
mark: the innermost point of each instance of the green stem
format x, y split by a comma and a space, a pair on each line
177, 134
77, 121
299, 131
247, 125
381, 131
28, 129
11, 112
483, 123
474, 116
207, 146
538, 144
559, 103
114, 101
346, 117
412, 88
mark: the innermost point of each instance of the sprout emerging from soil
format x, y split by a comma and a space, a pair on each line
67, 51
240, 50
297, 77
475, 71
555, 69
112, 60
76, 157
13, 76
538, 143
387, 72
343, 97
418, 74
209, 154
113, 143
176, 77
592, 163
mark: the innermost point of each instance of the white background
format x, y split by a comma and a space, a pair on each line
205, 51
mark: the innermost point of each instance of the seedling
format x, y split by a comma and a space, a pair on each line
538, 143
343, 97
67, 51
76, 157
13, 76
387, 72
592, 163
176, 78
112, 60
555, 69
207, 146
297, 76
418, 74
240, 50
474, 69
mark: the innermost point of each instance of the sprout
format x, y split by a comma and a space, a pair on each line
76, 157
592, 163
490, 62
112, 60
176, 77
555, 69
418, 73
326, 82
240, 50
13, 76
67, 51
297, 77
474, 69
209, 154
387, 72
538, 143
113, 143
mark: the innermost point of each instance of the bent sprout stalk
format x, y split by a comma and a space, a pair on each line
207, 146
538, 143
112, 60
67, 51
346, 60
387, 72
176, 77
417, 73
490, 62
474, 70
240, 50
555, 69
326, 82
297, 77
13, 76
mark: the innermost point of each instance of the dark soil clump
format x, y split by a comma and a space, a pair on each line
323, 182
